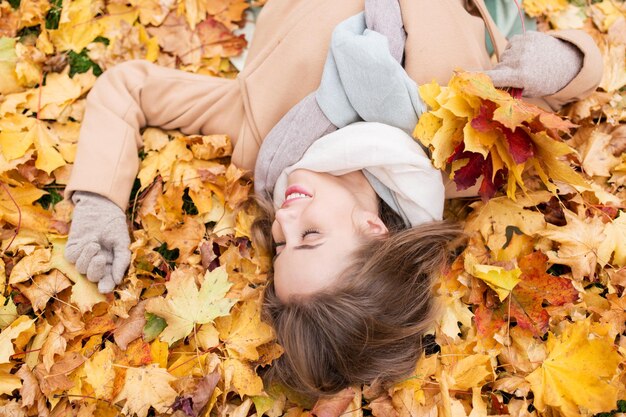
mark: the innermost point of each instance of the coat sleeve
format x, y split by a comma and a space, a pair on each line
505, 17
589, 76
136, 94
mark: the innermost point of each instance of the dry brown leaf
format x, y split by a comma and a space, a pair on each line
131, 328
44, 287
57, 377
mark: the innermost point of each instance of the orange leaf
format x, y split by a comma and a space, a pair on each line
525, 304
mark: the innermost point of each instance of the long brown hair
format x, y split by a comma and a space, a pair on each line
367, 328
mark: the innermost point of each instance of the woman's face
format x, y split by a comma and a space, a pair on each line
321, 222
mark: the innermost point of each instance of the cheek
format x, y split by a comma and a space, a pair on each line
334, 207
336, 217
277, 234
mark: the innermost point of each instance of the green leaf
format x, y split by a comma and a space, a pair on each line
49, 200
103, 40
7, 50
80, 63
31, 31
188, 205
169, 255
54, 14
153, 327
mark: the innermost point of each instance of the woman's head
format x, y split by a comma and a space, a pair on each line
363, 318
369, 326
323, 219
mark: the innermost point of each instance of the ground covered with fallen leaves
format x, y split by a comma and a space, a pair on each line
533, 309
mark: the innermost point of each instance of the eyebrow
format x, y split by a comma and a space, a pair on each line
300, 247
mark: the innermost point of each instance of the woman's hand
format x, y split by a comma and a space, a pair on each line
540, 64
98, 242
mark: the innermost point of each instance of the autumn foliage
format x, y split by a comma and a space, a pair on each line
532, 318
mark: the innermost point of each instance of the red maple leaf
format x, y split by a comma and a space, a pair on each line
525, 304
520, 144
484, 121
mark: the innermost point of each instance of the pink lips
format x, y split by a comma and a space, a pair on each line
294, 189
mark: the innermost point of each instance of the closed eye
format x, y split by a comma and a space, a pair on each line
302, 236
309, 232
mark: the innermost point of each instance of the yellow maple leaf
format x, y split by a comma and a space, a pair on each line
212, 146
33, 12
471, 371
571, 17
28, 68
116, 14
32, 217
26, 132
55, 344
8, 312
43, 42
163, 161
48, 157
154, 139
227, 11
184, 306
492, 219
100, 373
243, 331
85, 293
78, 26
147, 387
242, 378
15, 144
408, 393
454, 312
578, 376
19, 326
32, 358
8, 381
500, 280
616, 240
614, 74
159, 351
607, 12
8, 59
535, 8
581, 244
152, 12
59, 92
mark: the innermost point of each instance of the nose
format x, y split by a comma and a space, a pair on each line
285, 215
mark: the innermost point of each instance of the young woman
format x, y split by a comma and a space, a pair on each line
356, 241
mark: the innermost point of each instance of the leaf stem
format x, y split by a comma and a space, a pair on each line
19, 215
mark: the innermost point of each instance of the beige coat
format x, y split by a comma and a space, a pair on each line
284, 64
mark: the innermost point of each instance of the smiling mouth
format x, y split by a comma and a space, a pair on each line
294, 196
295, 192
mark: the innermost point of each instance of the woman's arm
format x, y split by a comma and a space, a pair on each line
136, 94
125, 99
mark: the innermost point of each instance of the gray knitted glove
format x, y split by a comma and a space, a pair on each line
98, 242
538, 63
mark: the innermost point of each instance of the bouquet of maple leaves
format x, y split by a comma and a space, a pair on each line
475, 130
